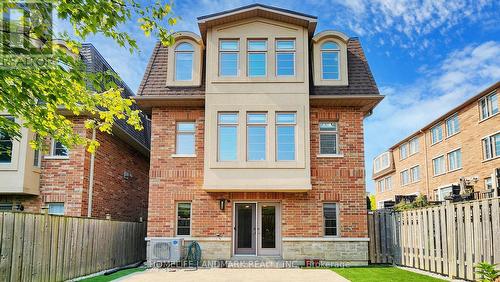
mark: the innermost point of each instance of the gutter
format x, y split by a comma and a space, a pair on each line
91, 179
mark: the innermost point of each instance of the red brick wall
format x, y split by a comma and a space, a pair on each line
67, 180
334, 179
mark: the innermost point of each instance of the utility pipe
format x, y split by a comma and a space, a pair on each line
91, 179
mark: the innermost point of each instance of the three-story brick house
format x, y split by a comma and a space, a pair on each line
257, 137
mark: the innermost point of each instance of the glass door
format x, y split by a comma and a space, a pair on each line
244, 228
269, 229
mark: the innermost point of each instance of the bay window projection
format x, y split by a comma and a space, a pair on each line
285, 136
227, 127
256, 136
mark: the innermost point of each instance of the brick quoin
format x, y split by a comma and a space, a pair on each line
338, 180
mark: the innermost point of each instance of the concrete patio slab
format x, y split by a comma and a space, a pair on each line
240, 275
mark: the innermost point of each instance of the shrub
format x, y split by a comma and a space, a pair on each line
487, 272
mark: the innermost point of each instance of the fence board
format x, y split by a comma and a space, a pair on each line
449, 239
42, 247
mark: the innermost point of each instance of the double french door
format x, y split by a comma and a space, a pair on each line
257, 229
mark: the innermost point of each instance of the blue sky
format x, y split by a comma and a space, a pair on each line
427, 56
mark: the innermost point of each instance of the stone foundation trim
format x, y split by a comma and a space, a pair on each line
199, 239
324, 239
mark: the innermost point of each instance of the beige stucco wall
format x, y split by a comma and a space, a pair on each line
20, 177
265, 94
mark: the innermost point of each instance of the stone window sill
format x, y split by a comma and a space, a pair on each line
183, 155
330, 155
56, 157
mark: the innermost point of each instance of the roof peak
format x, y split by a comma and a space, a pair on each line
255, 6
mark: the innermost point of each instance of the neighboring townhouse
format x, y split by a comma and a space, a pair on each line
463, 143
257, 138
71, 182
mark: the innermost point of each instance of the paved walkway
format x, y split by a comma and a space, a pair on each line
239, 275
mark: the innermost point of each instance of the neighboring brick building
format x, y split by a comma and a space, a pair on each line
463, 143
61, 179
237, 117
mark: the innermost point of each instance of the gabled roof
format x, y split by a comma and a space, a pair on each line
257, 10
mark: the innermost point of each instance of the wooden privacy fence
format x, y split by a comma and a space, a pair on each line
41, 247
449, 239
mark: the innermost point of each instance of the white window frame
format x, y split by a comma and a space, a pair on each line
285, 51
413, 146
237, 52
322, 51
412, 169
455, 130
337, 219
407, 150
56, 203
489, 106
448, 155
225, 124
443, 166
440, 126
488, 143
184, 132
334, 133
488, 181
388, 183
381, 185
402, 178
256, 124
53, 149
278, 124
175, 61
257, 52
378, 162
177, 218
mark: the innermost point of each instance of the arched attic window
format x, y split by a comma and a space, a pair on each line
184, 54
330, 65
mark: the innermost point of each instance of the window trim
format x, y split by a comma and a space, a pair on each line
237, 52
407, 145
219, 125
432, 130
417, 139
276, 126
285, 51
493, 148
488, 106
448, 160
444, 170
265, 52
411, 174
337, 51
266, 129
53, 156
455, 115
337, 139
177, 218
192, 61
48, 208
401, 177
382, 167
337, 215
177, 133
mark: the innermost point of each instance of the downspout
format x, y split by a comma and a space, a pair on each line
426, 164
91, 179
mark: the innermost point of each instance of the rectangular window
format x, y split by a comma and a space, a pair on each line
405, 178
185, 138
58, 149
256, 136
415, 173
257, 57
437, 134
381, 185
455, 160
228, 136
285, 136
488, 184
381, 162
414, 148
184, 66
330, 64
37, 160
328, 138
443, 192
330, 219
403, 151
489, 106
388, 183
229, 57
438, 165
6, 206
452, 126
6, 145
285, 57
491, 146
56, 208
183, 219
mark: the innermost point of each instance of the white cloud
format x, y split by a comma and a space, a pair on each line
406, 108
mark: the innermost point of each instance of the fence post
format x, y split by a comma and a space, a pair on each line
451, 238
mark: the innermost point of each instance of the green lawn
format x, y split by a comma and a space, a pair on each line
382, 273
116, 275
